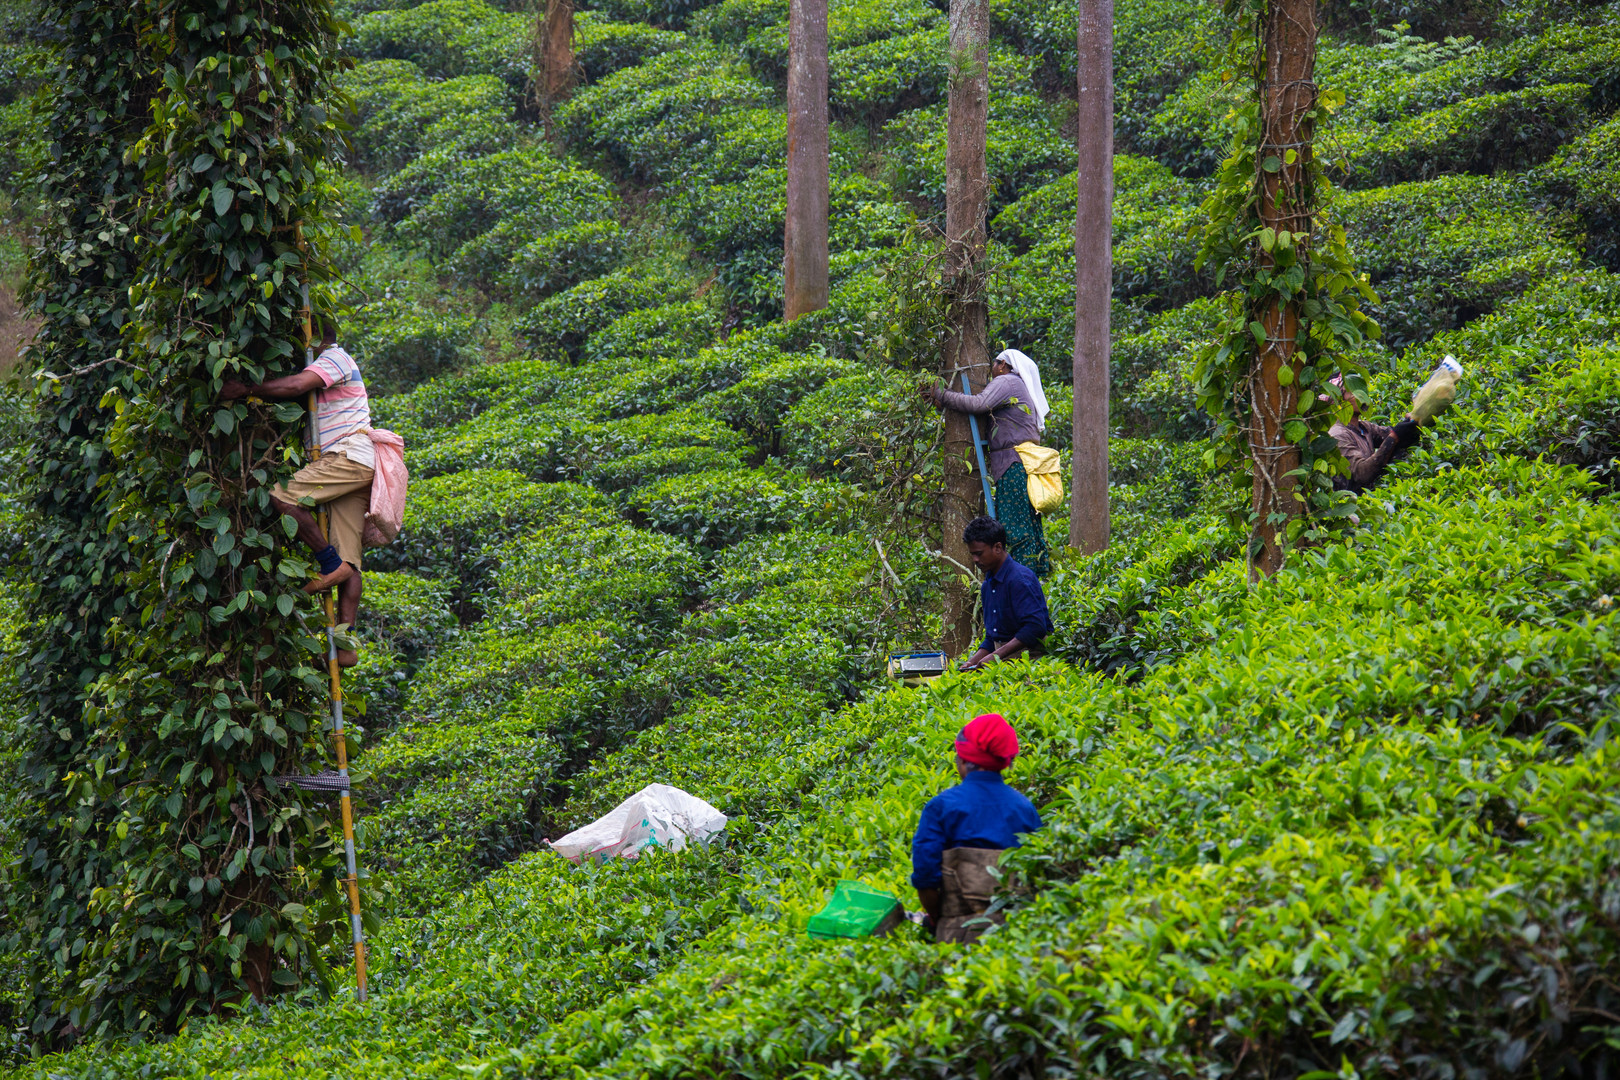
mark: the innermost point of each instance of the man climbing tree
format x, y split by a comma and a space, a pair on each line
1093, 275
966, 348
804, 242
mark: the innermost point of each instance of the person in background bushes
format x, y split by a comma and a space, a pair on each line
1016, 405
965, 829
1368, 447
1015, 615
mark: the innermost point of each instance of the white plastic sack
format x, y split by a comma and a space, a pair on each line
656, 816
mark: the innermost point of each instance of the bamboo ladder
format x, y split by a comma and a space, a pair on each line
339, 741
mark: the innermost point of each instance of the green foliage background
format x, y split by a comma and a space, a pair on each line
1360, 819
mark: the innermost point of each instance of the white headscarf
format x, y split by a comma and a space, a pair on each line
1025, 369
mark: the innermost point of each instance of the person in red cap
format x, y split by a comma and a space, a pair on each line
965, 829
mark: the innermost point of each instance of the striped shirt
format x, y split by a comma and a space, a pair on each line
342, 410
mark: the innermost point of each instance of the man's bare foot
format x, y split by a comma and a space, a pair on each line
328, 581
348, 658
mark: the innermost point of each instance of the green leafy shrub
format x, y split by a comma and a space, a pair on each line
1025, 148
656, 386
482, 211
558, 327
660, 13
602, 47
561, 259
758, 403
449, 38
731, 21
658, 120
399, 344
670, 331
872, 82
1443, 252
564, 573
850, 24
399, 116
455, 526
636, 470
716, 509
402, 620
1143, 191
1510, 130
1585, 174
1538, 381
1153, 368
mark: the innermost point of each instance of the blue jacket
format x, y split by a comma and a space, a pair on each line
1014, 605
980, 812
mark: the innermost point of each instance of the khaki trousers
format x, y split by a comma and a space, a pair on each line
343, 489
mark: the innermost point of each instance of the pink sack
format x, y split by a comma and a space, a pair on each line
387, 511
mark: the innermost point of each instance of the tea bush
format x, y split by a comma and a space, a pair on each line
758, 403
1241, 812
850, 24
716, 509
638, 470
558, 327
1025, 148
1510, 130
1586, 175
449, 38
399, 344
658, 121
602, 47
1443, 252
672, 331
482, 211
456, 525
399, 116
870, 83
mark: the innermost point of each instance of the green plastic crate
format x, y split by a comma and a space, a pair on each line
856, 910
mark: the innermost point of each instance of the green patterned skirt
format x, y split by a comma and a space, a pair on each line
1026, 539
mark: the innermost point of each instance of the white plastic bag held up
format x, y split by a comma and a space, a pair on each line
656, 816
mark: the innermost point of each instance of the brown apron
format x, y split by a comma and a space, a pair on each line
965, 894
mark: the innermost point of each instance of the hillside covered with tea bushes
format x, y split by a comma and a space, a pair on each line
1361, 818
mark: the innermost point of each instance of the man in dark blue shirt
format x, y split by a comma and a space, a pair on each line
965, 829
1015, 616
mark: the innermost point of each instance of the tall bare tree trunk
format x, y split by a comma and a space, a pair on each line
1093, 276
1287, 94
804, 241
555, 68
966, 234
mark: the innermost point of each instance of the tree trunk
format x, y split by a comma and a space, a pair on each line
966, 350
1093, 276
1287, 93
804, 241
555, 69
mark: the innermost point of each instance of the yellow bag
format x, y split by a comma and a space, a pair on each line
1044, 469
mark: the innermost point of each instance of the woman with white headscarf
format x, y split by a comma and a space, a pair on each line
1017, 408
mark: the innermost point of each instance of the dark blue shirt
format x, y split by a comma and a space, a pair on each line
1014, 605
980, 812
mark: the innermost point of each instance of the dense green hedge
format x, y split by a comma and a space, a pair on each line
449, 38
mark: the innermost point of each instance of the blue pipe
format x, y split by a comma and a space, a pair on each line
978, 448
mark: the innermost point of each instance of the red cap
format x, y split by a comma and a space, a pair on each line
988, 742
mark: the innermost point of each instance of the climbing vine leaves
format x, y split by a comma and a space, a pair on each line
1295, 303
171, 865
